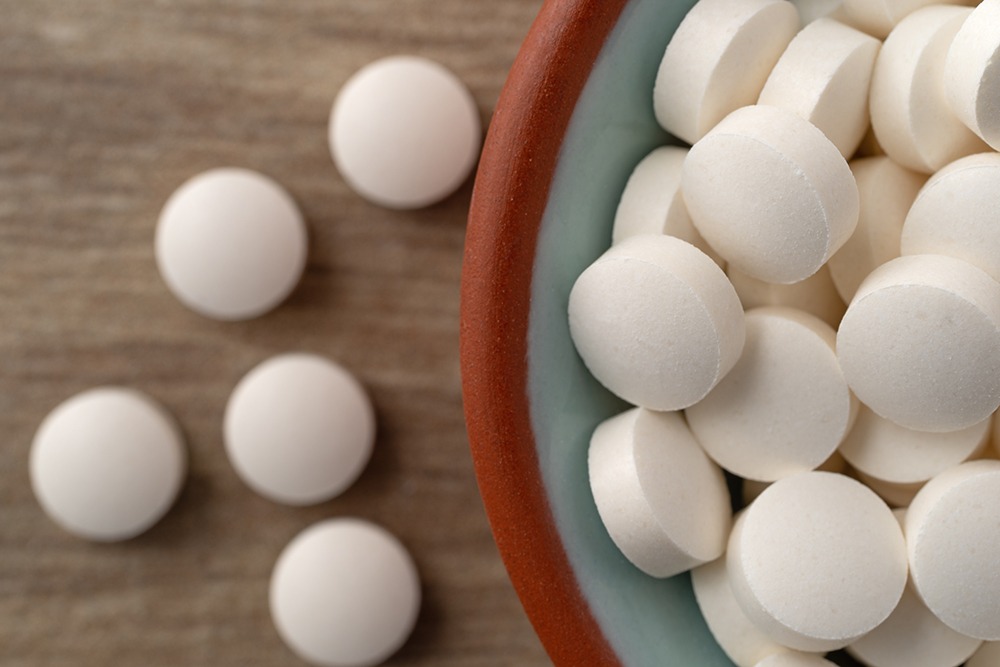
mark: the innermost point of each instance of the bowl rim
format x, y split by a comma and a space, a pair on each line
508, 203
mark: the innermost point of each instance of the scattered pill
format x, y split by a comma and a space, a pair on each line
953, 538
912, 636
785, 406
894, 495
299, 429
231, 244
909, 110
879, 18
816, 295
344, 593
752, 488
955, 214
652, 202
665, 505
718, 60
817, 561
107, 464
972, 72
920, 343
656, 322
404, 132
886, 193
736, 635
889, 452
794, 659
824, 76
770, 194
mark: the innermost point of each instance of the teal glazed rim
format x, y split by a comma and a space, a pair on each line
573, 120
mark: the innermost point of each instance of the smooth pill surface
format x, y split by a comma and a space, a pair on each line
299, 429
972, 72
886, 193
955, 214
107, 464
404, 132
718, 60
817, 561
231, 244
953, 538
770, 193
910, 113
736, 635
912, 636
344, 593
988, 655
815, 295
663, 502
879, 17
887, 451
824, 76
785, 406
811, 10
920, 343
652, 202
656, 322
895, 495
794, 659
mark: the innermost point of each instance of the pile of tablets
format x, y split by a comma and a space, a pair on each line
299, 429
850, 359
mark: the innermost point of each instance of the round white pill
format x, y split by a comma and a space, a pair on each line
231, 244
953, 538
652, 202
794, 659
107, 464
972, 72
920, 343
824, 76
894, 495
752, 488
299, 429
785, 406
665, 505
909, 110
656, 322
345, 593
889, 452
718, 60
879, 18
988, 655
404, 132
736, 635
886, 193
955, 214
811, 10
770, 193
912, 636
817, 561
815, 295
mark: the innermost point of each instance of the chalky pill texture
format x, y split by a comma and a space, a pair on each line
794, 659
972, 72
770, 193
785, 406
953, 539
344, 593
920, 343
404, 132
107, 464
817, 561
299, 429
663, 502
231, 244
879, 17
718, 60
656, 322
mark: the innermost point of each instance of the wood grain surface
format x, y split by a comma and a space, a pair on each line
106, 106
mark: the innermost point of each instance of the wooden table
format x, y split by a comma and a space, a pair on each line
106, 106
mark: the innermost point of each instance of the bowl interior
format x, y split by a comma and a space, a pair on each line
645, 620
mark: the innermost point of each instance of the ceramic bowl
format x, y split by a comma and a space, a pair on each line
573, 120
